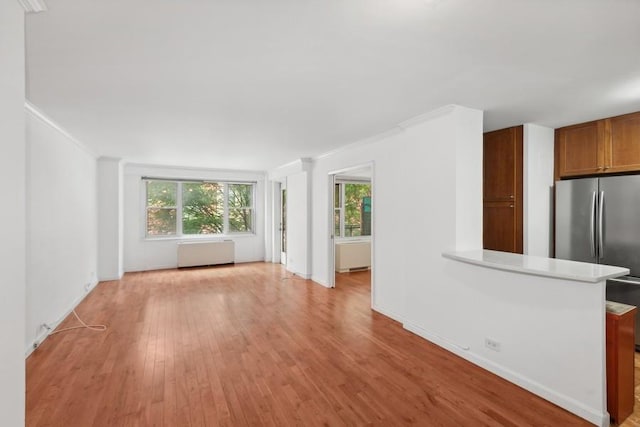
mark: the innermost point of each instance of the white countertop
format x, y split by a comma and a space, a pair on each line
539, 266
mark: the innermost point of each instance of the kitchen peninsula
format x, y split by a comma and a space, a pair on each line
538, 322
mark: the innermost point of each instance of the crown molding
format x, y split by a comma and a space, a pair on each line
33, 6
434, 114
361, 142
303, 164
35, 112
399, 128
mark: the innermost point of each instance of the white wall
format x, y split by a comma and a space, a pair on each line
298, 224
62, 222
551, 331
427, 199
413, 166
142, 254
110, 219
538, 152
12, 216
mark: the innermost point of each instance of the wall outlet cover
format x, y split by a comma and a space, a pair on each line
492, 344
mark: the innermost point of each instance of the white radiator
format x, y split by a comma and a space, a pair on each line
352, 256
192, 254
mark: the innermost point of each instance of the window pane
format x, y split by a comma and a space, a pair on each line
161, 221
240, 195
161, 194
336, 196
357, 210
240, 220
336, 222
202, 208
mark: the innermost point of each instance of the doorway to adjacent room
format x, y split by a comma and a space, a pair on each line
351, 228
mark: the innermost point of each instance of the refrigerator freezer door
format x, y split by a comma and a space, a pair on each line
621, 222
576, 219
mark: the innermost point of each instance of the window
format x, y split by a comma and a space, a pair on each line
240, 208
161, 208
176, 208
202, 208
352, 209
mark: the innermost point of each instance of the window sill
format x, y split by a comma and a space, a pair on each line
353, 239
211, 237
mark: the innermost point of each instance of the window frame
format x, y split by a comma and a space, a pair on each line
342, 183
179, 234
169, 208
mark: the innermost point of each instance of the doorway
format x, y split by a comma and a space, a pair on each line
351, 228
283, 224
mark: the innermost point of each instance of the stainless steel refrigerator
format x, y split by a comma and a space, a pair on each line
598, 221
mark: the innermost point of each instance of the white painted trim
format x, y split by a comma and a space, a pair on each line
33, 6
365, 141
590, 414
110, 159
45, 334
320, 282
305, 276
430, 115
399, 128
143, 168
331, 275
352, 180
112, 278
302, 164
35, 112
388, 313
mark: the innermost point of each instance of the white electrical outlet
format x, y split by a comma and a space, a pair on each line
87, 287
492, 344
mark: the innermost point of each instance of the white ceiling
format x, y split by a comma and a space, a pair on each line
252, 84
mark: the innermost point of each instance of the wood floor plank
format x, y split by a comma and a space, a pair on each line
251, 345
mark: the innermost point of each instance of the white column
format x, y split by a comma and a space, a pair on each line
538, 152
110, 218
13, 214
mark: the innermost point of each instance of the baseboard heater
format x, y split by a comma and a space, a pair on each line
353, 256
199, 254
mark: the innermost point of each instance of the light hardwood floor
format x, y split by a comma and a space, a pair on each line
247, 345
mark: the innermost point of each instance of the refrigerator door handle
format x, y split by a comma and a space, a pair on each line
600, 226
592, 225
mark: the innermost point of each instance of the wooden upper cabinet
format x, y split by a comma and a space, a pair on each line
579, 149
502, 164
604, 146
623, 153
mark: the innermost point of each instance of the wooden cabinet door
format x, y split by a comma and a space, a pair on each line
502, 227
502, 164
623, 151
580, 149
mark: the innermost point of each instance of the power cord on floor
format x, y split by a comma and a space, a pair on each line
101, 328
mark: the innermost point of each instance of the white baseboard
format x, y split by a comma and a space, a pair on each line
35, 343
590, 414
109, 279
305, 276
389, 313
320, 282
